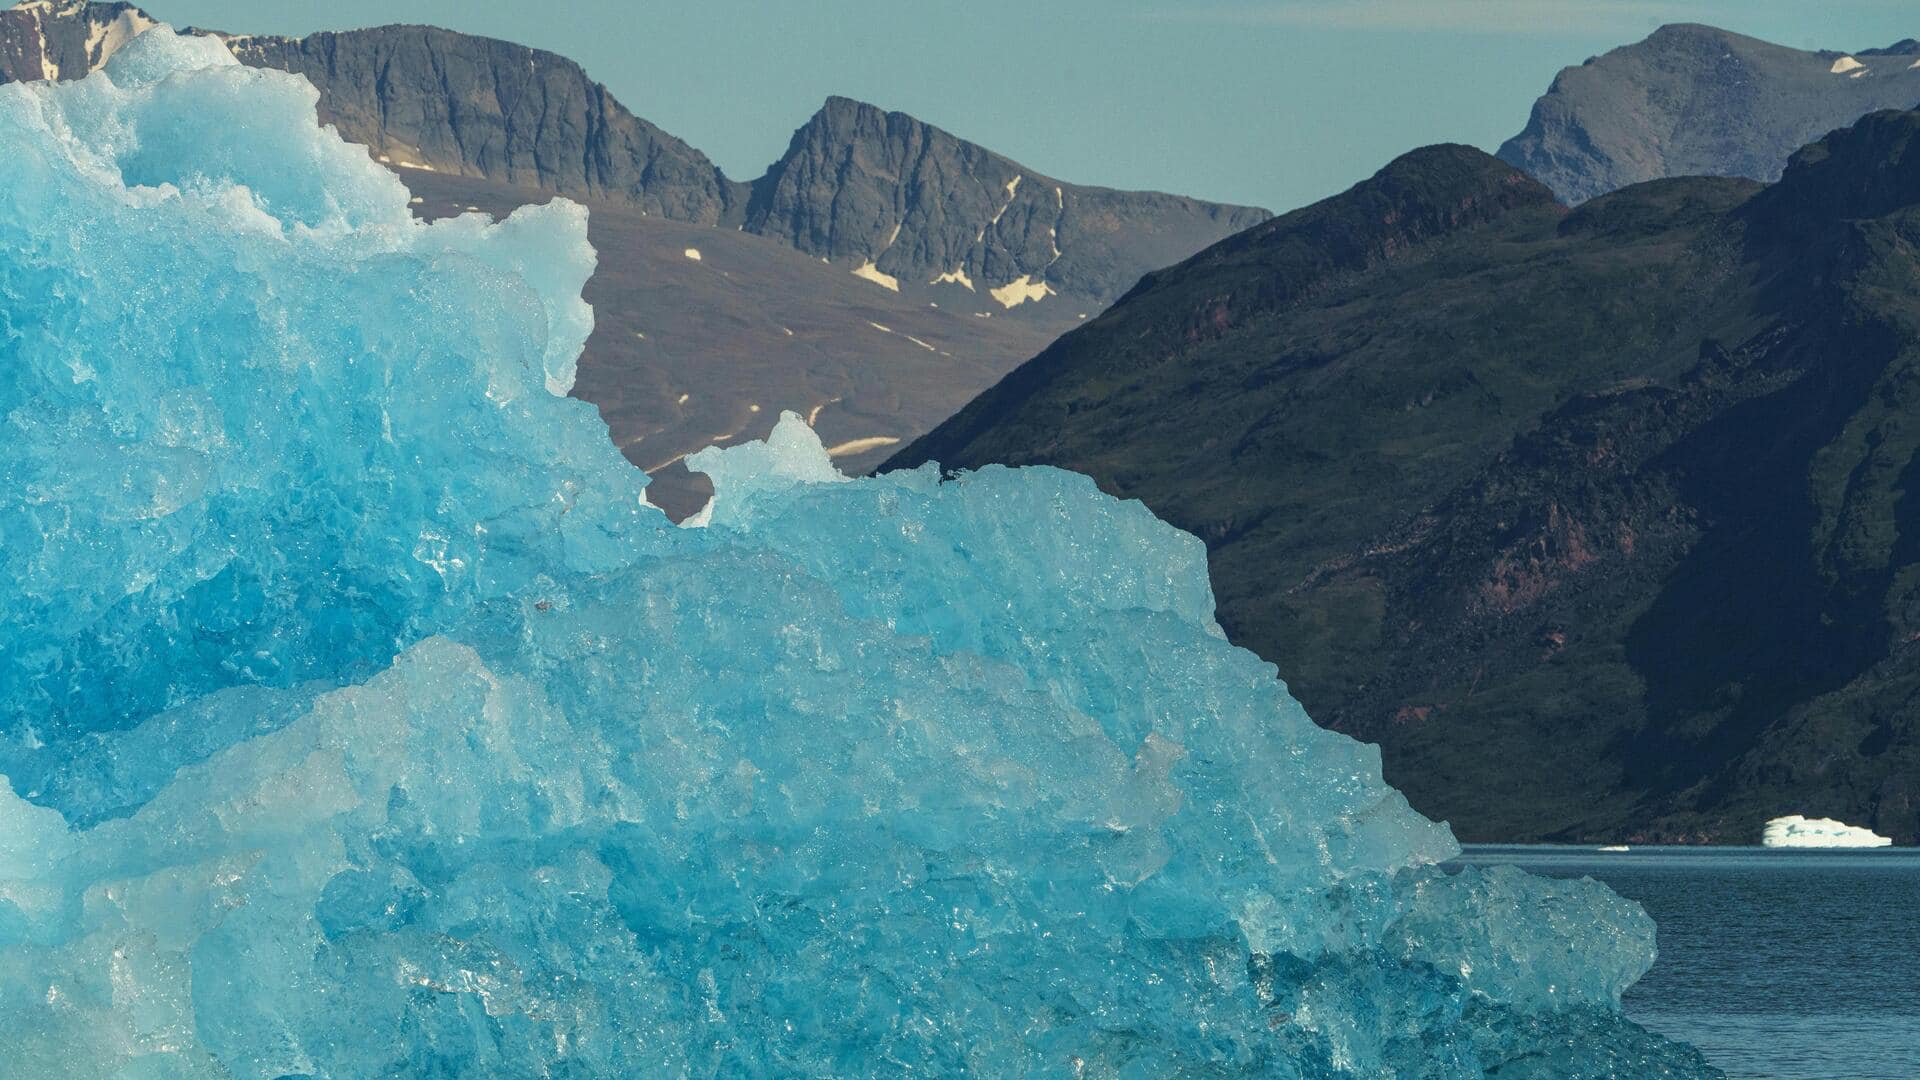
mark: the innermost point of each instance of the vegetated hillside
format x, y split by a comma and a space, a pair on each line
1696, 100
1598, 522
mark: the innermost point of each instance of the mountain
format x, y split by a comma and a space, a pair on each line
63, 39
914, 206
1699, 101
704, 336
1599, 522
423, 98
886, 198
912, 267
891, 200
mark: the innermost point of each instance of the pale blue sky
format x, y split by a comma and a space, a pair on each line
1275, 103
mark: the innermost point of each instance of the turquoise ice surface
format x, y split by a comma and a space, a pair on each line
360, 718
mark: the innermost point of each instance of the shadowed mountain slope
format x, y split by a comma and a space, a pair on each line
1598, 522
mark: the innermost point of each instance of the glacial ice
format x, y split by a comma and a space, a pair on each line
1799, 831
359, 718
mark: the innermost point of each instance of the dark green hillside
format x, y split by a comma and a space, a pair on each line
1596, 521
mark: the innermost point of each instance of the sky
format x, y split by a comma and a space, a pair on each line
1274, 103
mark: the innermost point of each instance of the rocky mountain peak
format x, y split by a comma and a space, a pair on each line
911, 206
1694, 100
425, 98
1692, 35
896, 201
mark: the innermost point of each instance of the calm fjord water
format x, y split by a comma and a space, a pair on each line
1774, 963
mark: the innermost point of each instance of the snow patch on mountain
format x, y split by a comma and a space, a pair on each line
1020, 290
955, 276
105, 38
1013, 188
858, 446
869, 272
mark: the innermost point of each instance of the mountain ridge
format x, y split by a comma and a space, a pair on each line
1692, 99
1593, 520
923, 207
832, 193
531, 118
428, 99
682, 355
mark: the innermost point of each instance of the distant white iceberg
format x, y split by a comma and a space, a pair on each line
1795, 831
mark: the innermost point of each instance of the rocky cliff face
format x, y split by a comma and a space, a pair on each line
425, 98
897, 270
1597, 522
899, 203
1698, 101
63, 39
915, 207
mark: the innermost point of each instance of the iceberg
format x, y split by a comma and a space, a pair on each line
1796, 831
359, 717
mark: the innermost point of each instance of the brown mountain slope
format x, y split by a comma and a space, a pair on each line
687, 352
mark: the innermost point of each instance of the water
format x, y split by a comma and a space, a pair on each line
1773, 963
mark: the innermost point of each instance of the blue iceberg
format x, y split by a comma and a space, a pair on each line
359, 717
